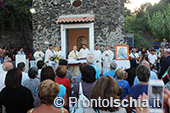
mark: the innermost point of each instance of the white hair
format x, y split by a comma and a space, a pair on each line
90, 59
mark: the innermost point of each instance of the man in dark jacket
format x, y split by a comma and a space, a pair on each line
164, 66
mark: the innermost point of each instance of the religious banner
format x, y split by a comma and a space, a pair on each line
122, 52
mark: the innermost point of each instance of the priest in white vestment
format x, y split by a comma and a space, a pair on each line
74, 55
107, 57
97, 56
49, 53
84, 51
38, 55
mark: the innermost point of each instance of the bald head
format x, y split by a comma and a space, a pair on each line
145, 63
7, 66
38, 48
113, 65
75, 48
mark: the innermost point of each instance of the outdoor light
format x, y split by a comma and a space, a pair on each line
32, 10
76, 3
46, 42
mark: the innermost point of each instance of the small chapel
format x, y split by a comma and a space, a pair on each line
59, 23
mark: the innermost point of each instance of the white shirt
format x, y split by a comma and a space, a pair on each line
24, 77
134, 55
59, 53
49, 54
84, 52
148, 52
37, 55
152, 58
39, 73
166, 49
2, 79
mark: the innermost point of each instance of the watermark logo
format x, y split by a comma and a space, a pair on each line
59, 102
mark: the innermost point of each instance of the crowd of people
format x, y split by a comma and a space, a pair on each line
35, 91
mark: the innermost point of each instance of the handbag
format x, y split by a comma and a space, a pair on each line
79, 105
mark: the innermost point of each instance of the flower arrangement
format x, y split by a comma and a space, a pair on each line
56, 58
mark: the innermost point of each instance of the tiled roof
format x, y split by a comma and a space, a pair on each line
75, 19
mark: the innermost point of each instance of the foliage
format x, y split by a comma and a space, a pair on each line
152, 19
140, 41
56, 58
18, 16
159, 23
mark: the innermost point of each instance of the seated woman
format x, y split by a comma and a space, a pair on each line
47, 92
143, 74
122, 83
106, 87
32, 83
15, 97
88, 81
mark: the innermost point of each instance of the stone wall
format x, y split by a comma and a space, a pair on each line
108, 25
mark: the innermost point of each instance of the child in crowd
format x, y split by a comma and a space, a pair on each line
122, 83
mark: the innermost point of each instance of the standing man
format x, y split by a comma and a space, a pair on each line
156, 46
164, 66
107, 57
38, 55
134, 55
153, 58
97, 56
74, 54
84, 51
49, 52
59, 52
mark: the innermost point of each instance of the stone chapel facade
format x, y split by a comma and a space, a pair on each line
94, 22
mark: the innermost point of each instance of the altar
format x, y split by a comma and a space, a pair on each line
73, 65
76, 62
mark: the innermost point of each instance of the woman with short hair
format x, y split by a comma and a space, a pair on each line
47, 92
105, 88
122, 83
48, 73
15, 97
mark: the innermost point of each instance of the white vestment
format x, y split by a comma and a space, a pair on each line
97, 54
38, 55
49, 54
73, 54
84, 52
107, 60
74, 68
59, 53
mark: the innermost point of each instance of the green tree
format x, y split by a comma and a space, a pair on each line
18, 16
159, 23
